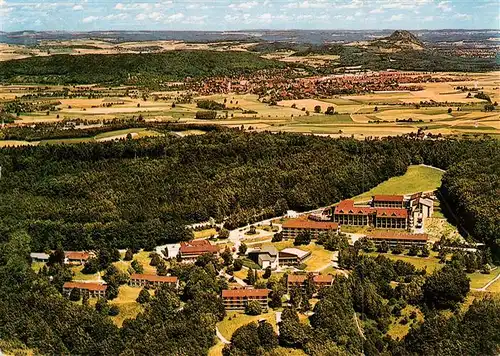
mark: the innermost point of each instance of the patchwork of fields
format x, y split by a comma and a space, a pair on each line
447, 111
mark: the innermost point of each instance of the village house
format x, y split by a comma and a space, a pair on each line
292, 227
190, 251
94, 290
266, 256
392, 238
77, 257
298, 281
292, 256
152, 281
237, 299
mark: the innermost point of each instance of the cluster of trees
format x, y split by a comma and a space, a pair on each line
146, 68
210, 105
62, 130
18, 106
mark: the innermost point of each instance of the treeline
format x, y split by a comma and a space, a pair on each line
136, 193
48, 131
131, 68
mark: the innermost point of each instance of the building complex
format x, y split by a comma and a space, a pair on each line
293, 227
385, 211
393, 238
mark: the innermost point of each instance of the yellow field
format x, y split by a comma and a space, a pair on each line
203, 234
416, 179
356, 113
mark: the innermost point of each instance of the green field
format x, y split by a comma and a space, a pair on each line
416, 179
234, 320
429, 263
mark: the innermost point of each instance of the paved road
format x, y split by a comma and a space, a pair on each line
221, 337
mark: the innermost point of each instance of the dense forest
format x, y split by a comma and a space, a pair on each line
350, 318
140, 193
145, 68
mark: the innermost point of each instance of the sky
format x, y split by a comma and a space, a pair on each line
224, 15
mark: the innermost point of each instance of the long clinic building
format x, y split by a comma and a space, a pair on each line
237, 299
393, 238
94, 290
298, 281
152, 281
292, 227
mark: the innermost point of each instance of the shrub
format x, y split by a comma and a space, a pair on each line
253, 308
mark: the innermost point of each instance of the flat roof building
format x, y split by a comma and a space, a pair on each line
39, 257
266, 256
237, 299
292, 256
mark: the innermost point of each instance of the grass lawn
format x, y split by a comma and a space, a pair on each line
79, 276
416, 179
234, 320
430, 263
125, 301
479, 280
216, 350
37, 266
203, 234
495, 287
396, 329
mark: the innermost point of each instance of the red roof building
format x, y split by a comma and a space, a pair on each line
94, 290
191, 250
237, 299
76, 257
152, 280
292, 227
392, 238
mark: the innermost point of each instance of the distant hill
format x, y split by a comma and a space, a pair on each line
405, 39
397, 41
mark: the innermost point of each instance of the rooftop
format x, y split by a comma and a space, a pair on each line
396, 235
88, 286
348, 207
310, 224
231, 293
323, 278
154, 278
295, 251
77, 255
395, 198
197, 247
388, 212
